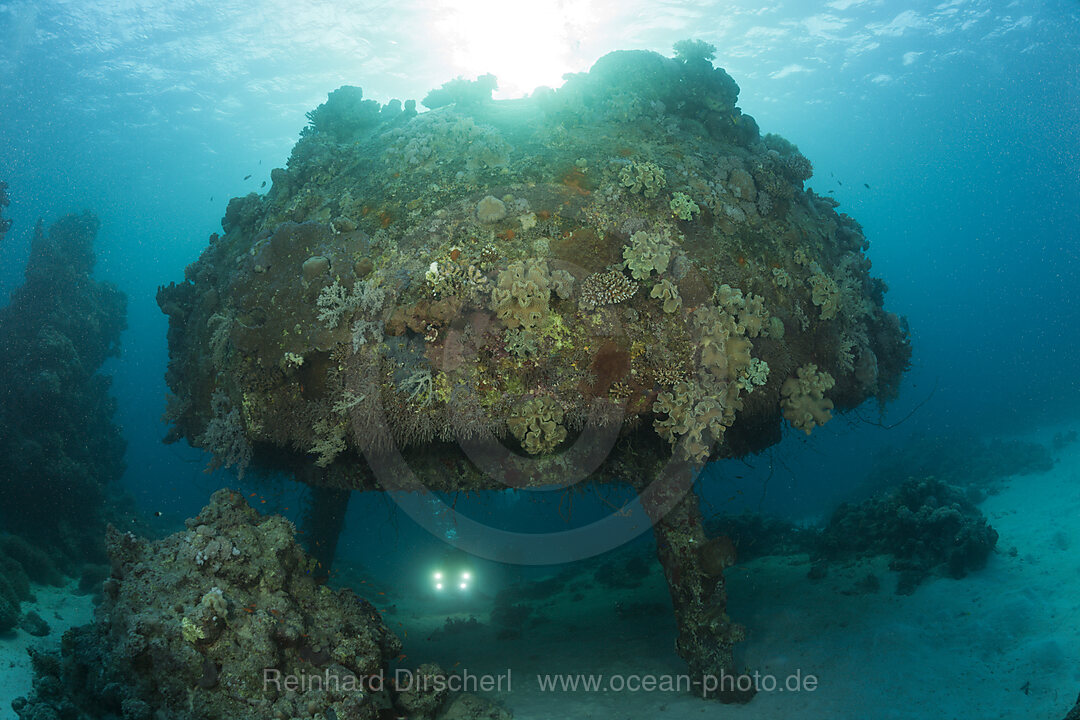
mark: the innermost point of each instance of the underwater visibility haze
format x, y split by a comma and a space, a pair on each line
478, 360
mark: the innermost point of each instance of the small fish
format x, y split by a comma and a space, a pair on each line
263, 184
158, 514
831, 192
1027, 688
866, 185
837, 181
247, 177
211, 198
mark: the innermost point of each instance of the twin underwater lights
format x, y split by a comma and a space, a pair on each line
441, 580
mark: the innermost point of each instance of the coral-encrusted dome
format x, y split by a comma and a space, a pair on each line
625, 250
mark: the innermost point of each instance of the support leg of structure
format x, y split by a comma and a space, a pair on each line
695, 580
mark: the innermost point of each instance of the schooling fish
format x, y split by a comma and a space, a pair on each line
866, 185
247, 177
263, 184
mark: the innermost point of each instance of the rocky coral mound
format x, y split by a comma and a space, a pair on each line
227, 620
628, 250
20, 564
61, 453
927, 527
210, 623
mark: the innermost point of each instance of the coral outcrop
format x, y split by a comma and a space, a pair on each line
20, 564
927, 526
193, 625
61, 452
229, 619
483, 220
804, 402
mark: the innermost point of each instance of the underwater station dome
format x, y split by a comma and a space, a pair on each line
625, 262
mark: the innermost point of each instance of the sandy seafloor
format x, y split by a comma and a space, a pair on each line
1002, 643
61, 608
954, 649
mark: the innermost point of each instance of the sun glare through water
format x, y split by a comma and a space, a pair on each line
525, 45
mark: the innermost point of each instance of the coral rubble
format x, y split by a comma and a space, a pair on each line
506, 241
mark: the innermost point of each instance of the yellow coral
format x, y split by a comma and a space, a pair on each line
724, 351
682, 206
753, 315
825, 293
781, 277
804, 403
520, 297
755, 374
666, 291
191, 632
695, 419
646, 253
537, 424
645, 177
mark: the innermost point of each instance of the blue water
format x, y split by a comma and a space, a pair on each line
951, 131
